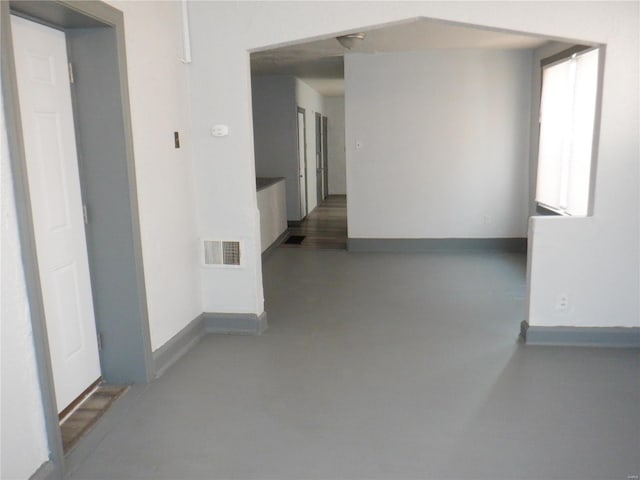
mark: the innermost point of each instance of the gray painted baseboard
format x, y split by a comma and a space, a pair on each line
412, 245
179, 344
47, 471
618, 337
235, 323
185, 339
276, 243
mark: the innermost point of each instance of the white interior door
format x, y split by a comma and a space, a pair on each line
302, 163
54, 184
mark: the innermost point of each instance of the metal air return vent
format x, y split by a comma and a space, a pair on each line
221, 252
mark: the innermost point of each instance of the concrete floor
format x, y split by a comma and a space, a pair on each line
383, 366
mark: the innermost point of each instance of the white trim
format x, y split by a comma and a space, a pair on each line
186, 37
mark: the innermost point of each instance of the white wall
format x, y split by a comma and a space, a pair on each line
273, 214
159, 90
312, 102
275, 134
23, 439
585, 298
593, 260
245, 26
334, 109
444, 139
224, 167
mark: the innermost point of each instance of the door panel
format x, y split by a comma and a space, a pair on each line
49, 167
52, 170
65, 280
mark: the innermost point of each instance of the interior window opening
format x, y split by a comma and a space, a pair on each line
567, 123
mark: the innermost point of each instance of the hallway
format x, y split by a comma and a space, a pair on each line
390, 366
325, 227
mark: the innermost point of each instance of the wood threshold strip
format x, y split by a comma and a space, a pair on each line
67, 410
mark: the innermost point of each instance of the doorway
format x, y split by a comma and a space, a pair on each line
58, 221
325, 158
319, 158
302, 161
94, 33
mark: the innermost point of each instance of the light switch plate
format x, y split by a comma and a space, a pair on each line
219, 130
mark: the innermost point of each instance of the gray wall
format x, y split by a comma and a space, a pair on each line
334, 107
275, 134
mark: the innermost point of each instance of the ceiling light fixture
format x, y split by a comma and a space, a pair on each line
349, 40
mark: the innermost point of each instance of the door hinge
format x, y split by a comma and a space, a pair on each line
71, 80
85, 215
100, 341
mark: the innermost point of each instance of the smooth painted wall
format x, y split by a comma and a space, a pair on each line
249, 26
275, 137
337, 163
159, 95
23, 437
224, 167
581, 255
273, 213
444, 143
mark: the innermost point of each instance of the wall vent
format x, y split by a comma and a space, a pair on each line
221, 252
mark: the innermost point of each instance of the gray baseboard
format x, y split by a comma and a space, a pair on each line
47, 471
276, 243
616, 337
235, 323
179, 344
185, 339
436, 245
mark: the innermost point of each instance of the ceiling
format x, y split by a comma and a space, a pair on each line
320, 63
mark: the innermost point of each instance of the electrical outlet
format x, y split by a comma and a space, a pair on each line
562, 302
486, 219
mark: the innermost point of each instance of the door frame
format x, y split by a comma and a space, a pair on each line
306, 173
61, 245
319, 154
126, 355
325, 157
